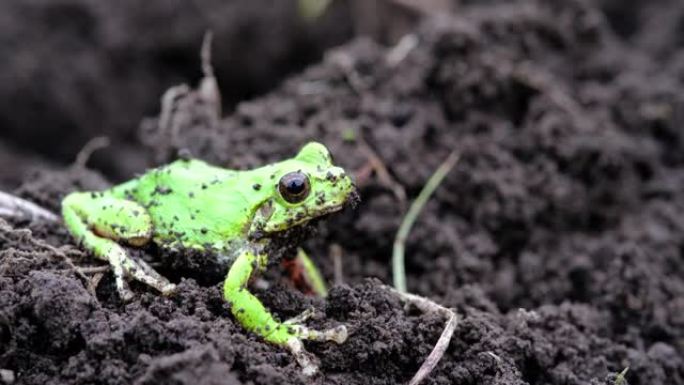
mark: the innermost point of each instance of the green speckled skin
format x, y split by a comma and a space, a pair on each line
190, 204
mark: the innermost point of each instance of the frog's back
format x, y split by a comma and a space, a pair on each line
192, 204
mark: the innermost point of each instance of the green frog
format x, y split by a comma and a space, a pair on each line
234, 216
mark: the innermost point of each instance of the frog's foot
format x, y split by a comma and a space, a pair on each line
125, 267
142, 272
306, 360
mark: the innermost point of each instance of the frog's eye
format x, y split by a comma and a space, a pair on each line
294, 187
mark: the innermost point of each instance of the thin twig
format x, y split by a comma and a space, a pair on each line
425, 8
205, 54
59, 253
310, 10
383, 174
87, 151
346, 64
208, 89
94, 269
95, 281
179, 101
437, 352
494, 356
399, 273
15, 207
167, 128
542, 83
336, 253
398, 268
620, 378
27, 235
428, 306
401, 50
363, 173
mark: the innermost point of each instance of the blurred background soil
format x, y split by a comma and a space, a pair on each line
558, 237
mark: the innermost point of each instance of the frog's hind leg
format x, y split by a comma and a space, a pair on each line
98, 222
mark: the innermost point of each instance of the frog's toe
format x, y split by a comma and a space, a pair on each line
125, 293
142, 272
168, 289
337, 334
122, 287
310, 370
303, 316
127, 296
305, 359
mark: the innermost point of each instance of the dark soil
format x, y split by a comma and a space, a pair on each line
558, 238
75, 69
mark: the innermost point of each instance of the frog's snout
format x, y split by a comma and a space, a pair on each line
347, 190
353, 198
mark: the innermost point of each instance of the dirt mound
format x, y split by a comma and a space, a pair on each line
75, 69
557, 238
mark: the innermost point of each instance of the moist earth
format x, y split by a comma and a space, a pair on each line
557, 238
75, 69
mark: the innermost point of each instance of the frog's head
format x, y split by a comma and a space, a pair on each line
300, 189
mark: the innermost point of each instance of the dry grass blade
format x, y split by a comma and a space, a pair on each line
61, 253
311, 10
399, 273
94, 269
429, 306
437, 352
398, 269
205, 54
620, 379
15, 207
382, 173
400, 51
336, 253
208, 89
87, 151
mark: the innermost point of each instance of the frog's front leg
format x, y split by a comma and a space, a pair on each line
98, 221
253, 316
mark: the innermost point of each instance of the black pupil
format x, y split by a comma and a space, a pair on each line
295, 185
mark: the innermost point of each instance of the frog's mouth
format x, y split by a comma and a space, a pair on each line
352, 200
271, 218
